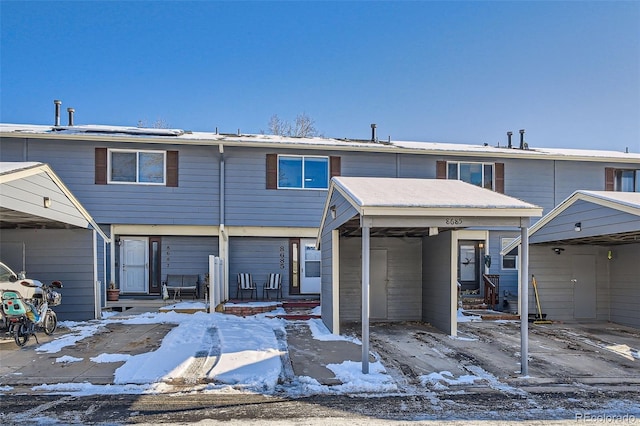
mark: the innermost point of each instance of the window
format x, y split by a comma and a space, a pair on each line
627, 180
303, 172
623, 180
479, 174
509, 260
131, 166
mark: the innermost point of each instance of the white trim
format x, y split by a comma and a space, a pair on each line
600, 198
37, 168
453, 285
335, 280
160, 230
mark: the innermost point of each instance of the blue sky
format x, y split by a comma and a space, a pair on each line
468, 72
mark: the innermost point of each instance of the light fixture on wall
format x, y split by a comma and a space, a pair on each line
333, 211
577, 227
557, 250
610, 255
47, 202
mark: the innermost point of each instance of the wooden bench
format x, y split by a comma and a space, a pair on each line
182, 283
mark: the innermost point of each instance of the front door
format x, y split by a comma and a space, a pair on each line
134, 267
584, 286
309, 267
469, 266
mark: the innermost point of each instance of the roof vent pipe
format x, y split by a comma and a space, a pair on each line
509, 145
521, 138
373, 132
57, 116
71, 111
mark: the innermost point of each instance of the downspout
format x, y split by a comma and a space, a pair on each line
223, 242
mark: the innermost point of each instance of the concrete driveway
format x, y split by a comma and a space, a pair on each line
559, 354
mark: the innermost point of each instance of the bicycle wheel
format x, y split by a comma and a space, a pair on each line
50, 323
20, 334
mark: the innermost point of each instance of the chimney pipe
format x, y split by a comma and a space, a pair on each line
57, 121
373, 132
71, 111
521, 138
509, 134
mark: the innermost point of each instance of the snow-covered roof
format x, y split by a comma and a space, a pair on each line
178, 136
393, 205
369, 192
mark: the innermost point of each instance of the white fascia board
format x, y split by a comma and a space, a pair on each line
452, 212
182, 230
271, 231
30, 169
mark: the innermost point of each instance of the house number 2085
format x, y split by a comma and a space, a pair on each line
453, 221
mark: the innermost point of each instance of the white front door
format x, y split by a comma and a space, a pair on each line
134, 267
309, 267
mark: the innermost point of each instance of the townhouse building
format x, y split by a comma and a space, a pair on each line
167, 199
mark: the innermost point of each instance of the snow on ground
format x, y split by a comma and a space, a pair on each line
246, 351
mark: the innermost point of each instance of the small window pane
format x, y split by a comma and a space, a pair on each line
625, 180
123, 166
452, 171
471, 173
316, 173
290, 172
151, 167
488, 176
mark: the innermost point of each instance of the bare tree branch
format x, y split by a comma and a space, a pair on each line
304, 126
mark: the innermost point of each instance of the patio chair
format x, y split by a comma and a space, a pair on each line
245, 283
274, 283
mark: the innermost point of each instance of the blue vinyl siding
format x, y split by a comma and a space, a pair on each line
57, 254
259, 257
194, 202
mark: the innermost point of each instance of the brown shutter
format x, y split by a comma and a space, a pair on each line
334, 167
172, 168
272, 171
441, 170
101, 166
499, 171
609, 179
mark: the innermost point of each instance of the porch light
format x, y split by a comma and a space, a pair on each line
333, 211
577, 227
46, 202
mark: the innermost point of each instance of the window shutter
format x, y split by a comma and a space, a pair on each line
441, 170
334, 167
272, 171
499, 171
609, 179
101, 166
172, 168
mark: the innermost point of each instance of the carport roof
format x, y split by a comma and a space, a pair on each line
418, 203
626, 202
25, 186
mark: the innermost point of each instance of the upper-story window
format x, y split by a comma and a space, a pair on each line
623, 180
479, 174
303, 172
131, 166
627, 180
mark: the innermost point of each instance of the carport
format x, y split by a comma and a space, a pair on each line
585, 257
422, 217
46, 232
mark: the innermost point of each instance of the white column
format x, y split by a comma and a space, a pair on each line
365, 299
524, 301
